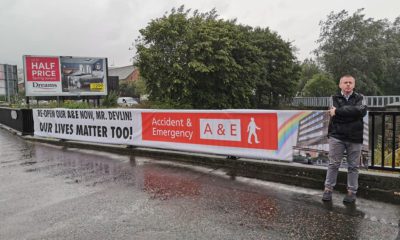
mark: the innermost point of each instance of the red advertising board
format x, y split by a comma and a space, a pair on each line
46, 69
243, 130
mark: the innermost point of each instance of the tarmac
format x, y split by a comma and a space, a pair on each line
52, 191
373, 184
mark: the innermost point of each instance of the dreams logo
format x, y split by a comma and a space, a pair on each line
44, 85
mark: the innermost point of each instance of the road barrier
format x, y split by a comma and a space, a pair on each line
17, 119
383, 130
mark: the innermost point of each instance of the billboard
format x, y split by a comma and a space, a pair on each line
8, 80
65, 76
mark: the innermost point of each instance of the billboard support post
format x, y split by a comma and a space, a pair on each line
27, 101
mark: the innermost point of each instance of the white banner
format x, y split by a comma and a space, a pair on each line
260, 134
113, 126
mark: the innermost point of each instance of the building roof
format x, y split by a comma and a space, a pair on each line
121, 72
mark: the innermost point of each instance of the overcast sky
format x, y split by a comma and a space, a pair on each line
107, 28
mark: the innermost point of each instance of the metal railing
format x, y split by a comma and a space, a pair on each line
384, 140
384, 134
371, 101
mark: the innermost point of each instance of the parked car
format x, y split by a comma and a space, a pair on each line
126, 101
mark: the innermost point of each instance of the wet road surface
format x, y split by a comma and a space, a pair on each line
50, 192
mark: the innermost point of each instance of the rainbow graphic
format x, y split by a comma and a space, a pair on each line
289, 127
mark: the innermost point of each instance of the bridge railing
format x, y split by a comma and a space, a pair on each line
370, 101
312, 101
384, 131
381, 101
384, 134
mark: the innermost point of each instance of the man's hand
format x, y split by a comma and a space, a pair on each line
332, 111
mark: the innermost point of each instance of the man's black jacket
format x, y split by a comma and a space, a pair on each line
347, 124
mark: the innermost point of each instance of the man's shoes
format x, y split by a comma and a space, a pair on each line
350, 197
327, 196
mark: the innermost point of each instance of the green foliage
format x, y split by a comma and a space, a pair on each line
308, 69
163, 105
388, 157
140, 86
110, 100
75, 104
366, 48
128, 89
19, 99
71, 104
132, 89
15, 101
278, 69
55, 104
320, 85
199, 61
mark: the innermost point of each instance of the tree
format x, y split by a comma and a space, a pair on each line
127, 89
220, 65
199, 61
320, 85
392, 78
308, 69
132, 89
280, 71
363, 47
140, 86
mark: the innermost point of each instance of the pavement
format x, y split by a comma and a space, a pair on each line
74, 191
373, 184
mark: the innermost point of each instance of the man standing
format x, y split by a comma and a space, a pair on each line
345, 133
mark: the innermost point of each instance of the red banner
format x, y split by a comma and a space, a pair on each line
243, 130
45, 69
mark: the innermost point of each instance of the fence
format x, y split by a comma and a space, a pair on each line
325, 102
385, 140
384, 134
